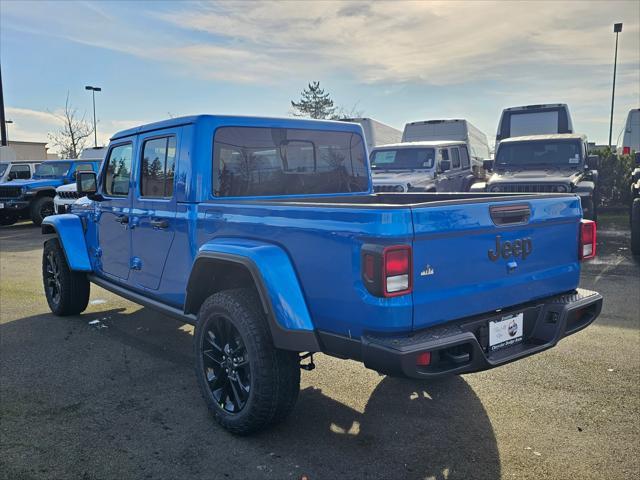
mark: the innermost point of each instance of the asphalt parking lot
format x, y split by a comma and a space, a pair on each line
117, 398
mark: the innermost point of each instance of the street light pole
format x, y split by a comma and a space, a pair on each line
95, 130
617, 28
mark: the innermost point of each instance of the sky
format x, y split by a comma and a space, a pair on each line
396, 62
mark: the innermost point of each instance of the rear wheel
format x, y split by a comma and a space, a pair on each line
7, 218
40, 208
246, 382
635, 227
67, 291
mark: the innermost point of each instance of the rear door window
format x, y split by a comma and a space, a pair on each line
254, 161
158, 167
464, 157
455, 158
118, 171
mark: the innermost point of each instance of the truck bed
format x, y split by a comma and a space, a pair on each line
450, 234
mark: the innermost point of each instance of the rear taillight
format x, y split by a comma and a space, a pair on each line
587, 247
396, 273
386, 271
626, 150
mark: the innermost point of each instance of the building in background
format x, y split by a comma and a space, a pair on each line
31, 150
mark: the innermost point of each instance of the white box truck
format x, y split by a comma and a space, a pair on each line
544, 119
454, 129
376, 133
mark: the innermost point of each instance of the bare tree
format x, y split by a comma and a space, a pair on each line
72, 136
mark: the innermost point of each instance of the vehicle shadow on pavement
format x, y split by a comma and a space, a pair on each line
409, 429
122, 382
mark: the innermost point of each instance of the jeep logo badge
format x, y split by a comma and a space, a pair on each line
517, 248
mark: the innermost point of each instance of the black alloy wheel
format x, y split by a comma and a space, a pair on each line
226, 365
52, 278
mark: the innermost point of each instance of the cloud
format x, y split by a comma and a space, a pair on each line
427, 42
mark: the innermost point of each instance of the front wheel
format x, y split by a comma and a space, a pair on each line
40, 208
67, 291
247, 383
635, 227
7, 218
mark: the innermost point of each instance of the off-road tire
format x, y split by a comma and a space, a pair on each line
39, 207
7, 218
635, 227
73, 287
274, 373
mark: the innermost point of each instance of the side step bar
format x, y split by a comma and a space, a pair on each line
142, 300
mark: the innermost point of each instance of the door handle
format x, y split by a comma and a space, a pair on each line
122, 219
159, 223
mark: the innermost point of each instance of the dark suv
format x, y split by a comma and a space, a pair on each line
33, 198
556, 163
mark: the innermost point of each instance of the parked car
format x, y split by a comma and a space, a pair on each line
534, 120
266, 235
66, 195
456, 129
546, 164
442, 166
631, 138
634, 213
33, 198
16, 170
376, 133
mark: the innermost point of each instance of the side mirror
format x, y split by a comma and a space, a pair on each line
445, 165
487, 165
592, 162
86, 183
12, 176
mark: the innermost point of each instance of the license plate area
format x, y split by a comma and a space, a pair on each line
1, 205
506, 331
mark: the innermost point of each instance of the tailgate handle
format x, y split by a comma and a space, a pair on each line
510, 214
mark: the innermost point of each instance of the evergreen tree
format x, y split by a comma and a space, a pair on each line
315, 103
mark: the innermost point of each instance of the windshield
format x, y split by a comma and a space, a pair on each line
403, 159
3, 168
52, 169
555, 153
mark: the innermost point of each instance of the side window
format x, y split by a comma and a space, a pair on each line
455, 156
158, 167
464, 157
118, 170
444, 153
20, 172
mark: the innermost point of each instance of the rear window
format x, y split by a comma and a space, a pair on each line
254, 161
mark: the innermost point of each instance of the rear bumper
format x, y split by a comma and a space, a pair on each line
462, 346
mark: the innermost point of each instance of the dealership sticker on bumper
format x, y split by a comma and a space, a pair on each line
506, 332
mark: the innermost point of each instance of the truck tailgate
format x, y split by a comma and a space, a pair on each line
458, 273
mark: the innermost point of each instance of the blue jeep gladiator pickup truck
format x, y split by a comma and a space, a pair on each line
33, 197
267, 236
